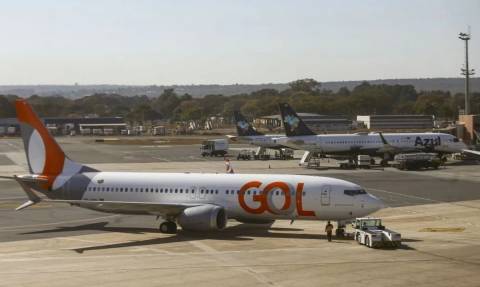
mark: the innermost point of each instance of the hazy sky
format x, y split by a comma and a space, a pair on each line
202, 42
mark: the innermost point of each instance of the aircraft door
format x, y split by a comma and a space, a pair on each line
325, 195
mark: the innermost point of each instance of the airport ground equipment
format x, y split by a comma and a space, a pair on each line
415, 161
371, 233
216, 147
284, 154
364, 161
245, 154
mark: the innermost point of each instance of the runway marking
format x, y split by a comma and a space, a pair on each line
236, 266
19, 227
12, 198
225, 258
404, 195
423, 198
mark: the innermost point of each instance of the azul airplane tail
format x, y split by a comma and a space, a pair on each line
294, 126
49, 167
244, 128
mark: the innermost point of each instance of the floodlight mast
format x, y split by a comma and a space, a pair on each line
466, 71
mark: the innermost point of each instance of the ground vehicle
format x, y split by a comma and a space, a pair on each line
216, 147
245, 154
363, 161
347, 164
369, 231
159, 131
284, 154
412, 161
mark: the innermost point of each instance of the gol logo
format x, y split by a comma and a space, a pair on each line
265, 198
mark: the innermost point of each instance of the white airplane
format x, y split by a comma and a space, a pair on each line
246, 133
199, 202
299, 136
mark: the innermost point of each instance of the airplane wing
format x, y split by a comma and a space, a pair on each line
388, 148
473, 153
232, 137
153, 208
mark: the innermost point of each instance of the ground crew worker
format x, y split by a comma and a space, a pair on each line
228, 166
329, 230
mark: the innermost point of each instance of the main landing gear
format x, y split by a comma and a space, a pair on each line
168, 227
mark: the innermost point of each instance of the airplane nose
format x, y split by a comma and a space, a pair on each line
375, 203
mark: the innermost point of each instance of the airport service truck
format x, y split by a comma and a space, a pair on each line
217, 147
415, 161
370, 232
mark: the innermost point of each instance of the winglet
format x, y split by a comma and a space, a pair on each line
384, 141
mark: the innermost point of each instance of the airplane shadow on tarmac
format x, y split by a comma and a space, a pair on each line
239, 232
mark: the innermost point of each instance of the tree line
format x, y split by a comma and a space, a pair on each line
304, 95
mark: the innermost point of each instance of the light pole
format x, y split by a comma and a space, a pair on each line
466, 72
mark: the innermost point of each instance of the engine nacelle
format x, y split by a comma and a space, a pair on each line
203, 218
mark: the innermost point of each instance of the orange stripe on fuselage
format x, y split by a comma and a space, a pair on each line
54, 156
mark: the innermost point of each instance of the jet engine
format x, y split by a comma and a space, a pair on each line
203, 218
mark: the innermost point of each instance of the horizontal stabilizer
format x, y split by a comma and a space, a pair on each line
25, 205
33, 197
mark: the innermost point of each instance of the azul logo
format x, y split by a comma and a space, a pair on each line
292, 121
243, 125
265, 198
427, 142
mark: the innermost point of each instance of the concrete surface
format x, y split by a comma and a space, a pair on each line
50, 245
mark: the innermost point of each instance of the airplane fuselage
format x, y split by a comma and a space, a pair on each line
265, 141
244, 196
372, 143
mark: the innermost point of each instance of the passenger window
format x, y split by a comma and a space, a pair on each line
216, 191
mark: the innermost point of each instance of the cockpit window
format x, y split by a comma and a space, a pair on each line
353, 192
455, 140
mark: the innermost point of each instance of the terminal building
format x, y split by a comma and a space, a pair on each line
397, 122
67, 126
318, 123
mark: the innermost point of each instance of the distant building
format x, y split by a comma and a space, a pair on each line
9, 126
316, 122
64, 126
471, 128
397, 122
